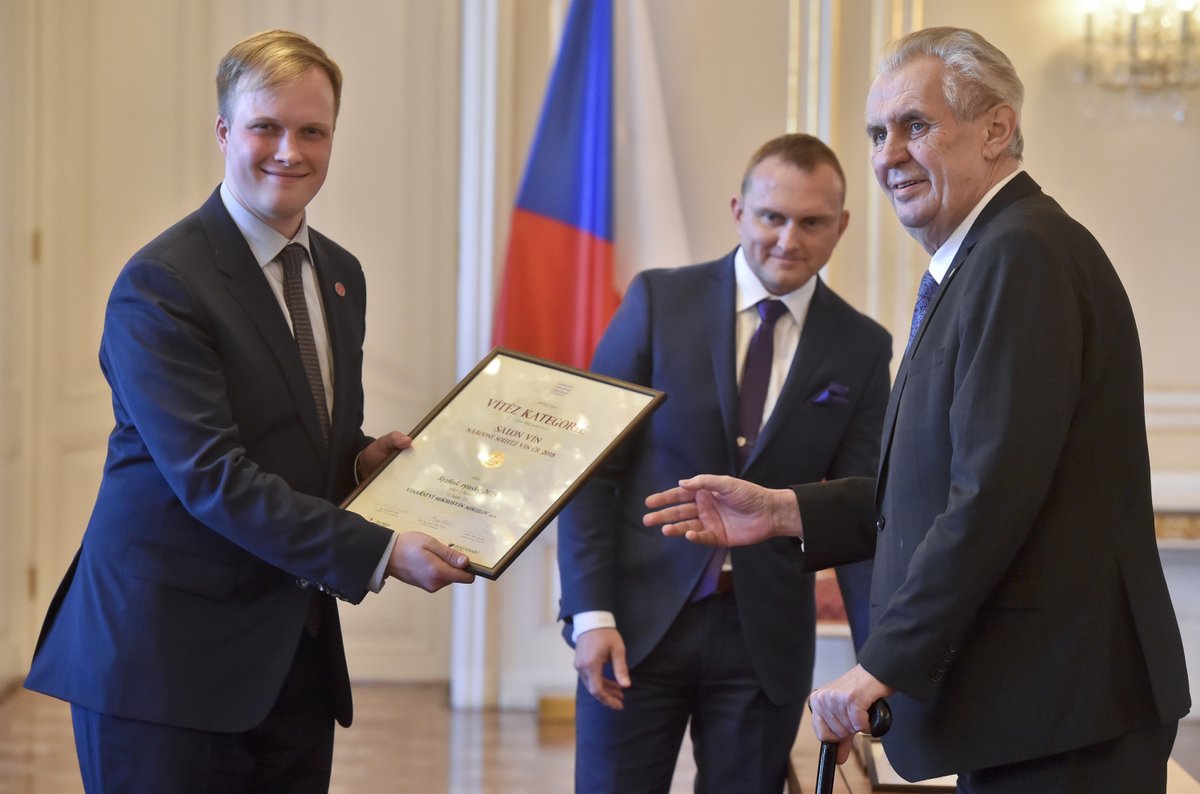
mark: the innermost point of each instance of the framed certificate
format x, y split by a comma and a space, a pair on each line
501, 454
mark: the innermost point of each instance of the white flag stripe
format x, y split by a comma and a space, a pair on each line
650, 230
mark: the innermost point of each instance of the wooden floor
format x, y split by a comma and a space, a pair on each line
404, 740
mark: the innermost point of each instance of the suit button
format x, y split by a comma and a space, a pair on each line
880, 523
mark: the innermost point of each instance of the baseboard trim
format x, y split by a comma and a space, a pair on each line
556, 709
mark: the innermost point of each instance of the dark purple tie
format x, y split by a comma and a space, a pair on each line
292, 257
924, 294
756, 377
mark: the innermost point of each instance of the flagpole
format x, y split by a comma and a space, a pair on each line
472, 673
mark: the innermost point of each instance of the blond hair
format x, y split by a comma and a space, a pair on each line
268, 60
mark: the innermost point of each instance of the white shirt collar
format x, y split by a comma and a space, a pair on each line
944, 256
265, 243
750, 290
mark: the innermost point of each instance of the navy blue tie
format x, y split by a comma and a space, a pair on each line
924, 294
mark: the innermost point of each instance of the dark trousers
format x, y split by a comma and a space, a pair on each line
701, 671
290, 751
1133, 762
854, 581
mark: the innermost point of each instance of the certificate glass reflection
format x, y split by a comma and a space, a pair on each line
497, 459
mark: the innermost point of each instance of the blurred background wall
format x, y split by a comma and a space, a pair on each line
107, 138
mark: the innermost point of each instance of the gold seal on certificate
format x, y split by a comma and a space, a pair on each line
501, 454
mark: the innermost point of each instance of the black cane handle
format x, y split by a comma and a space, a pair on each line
880, 717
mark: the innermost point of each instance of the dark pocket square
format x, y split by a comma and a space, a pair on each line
833, 393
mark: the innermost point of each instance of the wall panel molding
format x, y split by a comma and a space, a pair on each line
1169, 409
17, 59
1176, 491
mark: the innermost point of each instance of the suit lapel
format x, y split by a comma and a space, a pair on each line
248, 286
1019, 187
718, 304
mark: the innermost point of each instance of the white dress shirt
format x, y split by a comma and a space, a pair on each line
947, 251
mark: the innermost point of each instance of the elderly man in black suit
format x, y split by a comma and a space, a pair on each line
1021, 626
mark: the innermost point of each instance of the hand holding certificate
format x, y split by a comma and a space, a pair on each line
496, 460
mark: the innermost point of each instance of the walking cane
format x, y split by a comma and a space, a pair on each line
881, 719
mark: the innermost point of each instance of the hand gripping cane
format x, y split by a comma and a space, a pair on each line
881, 719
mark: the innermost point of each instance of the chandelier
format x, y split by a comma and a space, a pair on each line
1140, 44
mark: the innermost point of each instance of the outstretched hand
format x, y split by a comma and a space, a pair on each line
723, 511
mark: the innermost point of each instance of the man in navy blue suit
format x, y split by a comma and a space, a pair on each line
656, 641
196, 634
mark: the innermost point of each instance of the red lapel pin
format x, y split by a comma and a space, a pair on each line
340, 289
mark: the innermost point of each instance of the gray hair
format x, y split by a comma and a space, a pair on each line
977, 76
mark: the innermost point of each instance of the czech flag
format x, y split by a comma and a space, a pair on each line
558, 292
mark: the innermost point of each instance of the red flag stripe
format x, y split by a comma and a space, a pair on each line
557, 277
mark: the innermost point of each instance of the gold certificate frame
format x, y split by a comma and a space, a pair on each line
493, 463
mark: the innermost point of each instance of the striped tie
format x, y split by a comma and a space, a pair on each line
292, 257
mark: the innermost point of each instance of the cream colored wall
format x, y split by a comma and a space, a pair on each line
1123, 166
16, 279
722, 66
724, 72
119, 144
1118, 163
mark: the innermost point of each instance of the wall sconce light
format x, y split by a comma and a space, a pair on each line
1141, 44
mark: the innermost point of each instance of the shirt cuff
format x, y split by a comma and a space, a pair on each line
595, 619
377, 580
358, 479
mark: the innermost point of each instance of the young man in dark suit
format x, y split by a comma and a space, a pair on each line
657, 642
196, 634
1021, 627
